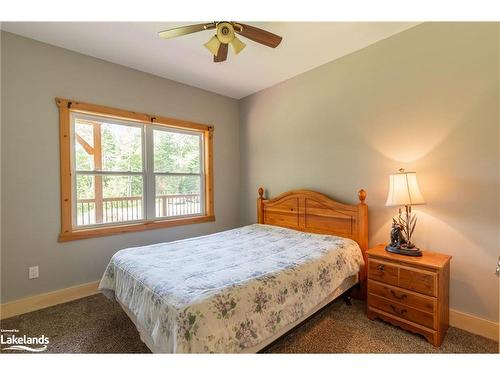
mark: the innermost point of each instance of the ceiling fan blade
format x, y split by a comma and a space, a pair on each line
258, 35
184, 30
221, 53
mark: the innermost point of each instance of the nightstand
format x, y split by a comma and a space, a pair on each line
410, 292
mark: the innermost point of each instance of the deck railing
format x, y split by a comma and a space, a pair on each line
119, 209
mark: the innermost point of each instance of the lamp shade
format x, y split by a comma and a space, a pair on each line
213, 45
237, 45
404, 190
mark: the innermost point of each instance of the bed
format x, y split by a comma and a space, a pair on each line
239, 290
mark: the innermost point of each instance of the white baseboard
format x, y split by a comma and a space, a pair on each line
41, 301
474, 324
470, 323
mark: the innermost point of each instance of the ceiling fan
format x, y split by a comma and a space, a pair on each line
225, 34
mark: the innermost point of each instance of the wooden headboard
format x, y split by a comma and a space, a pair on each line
310, 211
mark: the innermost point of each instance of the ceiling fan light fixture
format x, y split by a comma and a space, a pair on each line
225, 32
213, 45
237, 45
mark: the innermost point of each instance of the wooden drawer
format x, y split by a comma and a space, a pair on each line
401, 311
384, 272
401, 296
410, 292
418, 280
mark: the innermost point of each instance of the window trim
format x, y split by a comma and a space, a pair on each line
68, 233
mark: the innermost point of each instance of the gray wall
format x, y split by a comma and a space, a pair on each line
427, 100
33, 74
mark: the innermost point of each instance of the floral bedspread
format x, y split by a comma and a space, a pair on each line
227, 291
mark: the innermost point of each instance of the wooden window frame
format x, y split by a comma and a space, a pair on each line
68, 233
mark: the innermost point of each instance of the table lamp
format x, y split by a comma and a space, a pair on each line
403, 191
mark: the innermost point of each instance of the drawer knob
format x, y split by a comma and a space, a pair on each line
401, 297
397, 311
380, 267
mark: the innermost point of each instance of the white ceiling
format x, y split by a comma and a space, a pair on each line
305, 46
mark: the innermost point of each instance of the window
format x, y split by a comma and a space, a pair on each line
123, 171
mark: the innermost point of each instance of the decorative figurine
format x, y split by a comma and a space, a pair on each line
397, 237
401, 232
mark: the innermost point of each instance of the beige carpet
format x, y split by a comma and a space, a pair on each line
97, 325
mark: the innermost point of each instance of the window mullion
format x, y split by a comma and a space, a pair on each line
177, 174
202, 177
150, 176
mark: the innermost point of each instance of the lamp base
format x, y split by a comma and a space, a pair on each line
413, 252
